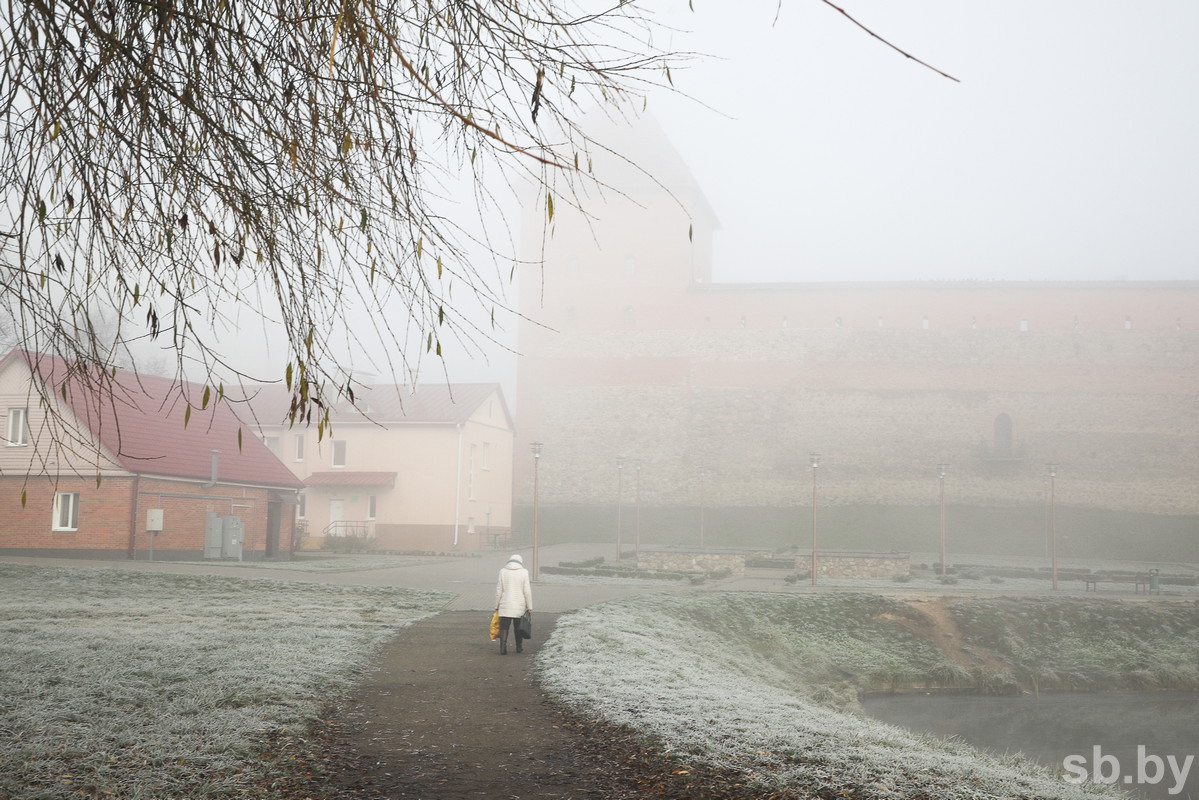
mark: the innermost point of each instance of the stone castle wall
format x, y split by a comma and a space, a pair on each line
723, 419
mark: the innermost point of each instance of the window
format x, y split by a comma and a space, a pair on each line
486, 455
339, 452
18, 427
370, 506
272, 443
66, 511
302, 509
299, 447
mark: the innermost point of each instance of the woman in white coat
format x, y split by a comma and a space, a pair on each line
513, 597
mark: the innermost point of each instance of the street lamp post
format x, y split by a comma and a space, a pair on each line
1045, 517
941, 482
815, 459
1052, 468
536, 476
619, 500
637, 496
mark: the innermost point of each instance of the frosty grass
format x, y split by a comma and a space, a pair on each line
750, 681
141, 685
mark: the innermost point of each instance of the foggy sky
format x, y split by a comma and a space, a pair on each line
1068, 150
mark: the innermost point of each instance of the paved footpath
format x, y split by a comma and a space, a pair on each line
443, 716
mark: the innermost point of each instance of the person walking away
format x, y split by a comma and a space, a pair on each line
513, 597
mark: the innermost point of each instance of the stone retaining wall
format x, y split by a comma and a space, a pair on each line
694, 561
855, 565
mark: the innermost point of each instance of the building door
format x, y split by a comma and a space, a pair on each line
337, 513
272, 529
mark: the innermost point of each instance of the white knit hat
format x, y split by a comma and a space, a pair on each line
516, 557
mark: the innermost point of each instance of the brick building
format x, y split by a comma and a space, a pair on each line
715, 393
130, 473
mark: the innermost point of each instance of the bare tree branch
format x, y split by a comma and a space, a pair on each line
180, 163
903, 53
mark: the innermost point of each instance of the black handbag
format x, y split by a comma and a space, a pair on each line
524, 628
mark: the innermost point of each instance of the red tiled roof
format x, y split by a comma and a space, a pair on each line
141, 423
342, 478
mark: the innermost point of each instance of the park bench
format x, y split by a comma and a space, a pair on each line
1140, 584
1144, 583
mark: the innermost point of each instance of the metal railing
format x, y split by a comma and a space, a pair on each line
362, 529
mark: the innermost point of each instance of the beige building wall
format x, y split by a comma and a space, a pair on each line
452, 482
51, 443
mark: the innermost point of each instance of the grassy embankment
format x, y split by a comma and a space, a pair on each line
768, 684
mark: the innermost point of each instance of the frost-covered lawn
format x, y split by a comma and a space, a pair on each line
766, 683
139, 685
326, 563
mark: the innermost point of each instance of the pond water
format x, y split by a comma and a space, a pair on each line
1141, 740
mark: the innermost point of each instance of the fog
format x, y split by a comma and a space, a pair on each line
1065, 152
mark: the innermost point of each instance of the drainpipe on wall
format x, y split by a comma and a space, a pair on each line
216, 462
458, 487
133, 515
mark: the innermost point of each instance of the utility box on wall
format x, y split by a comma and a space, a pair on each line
154, 520
233, 533
223, 536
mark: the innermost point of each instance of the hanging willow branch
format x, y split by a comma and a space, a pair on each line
177, 164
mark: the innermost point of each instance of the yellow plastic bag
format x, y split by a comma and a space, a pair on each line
495, 626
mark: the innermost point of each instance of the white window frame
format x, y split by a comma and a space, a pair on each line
486, 455
372, 506
272, 443
18, 427
302, 507
299, 447
338, 445
66, 509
